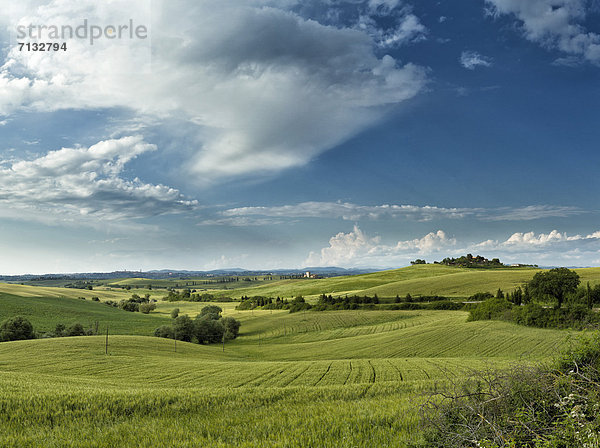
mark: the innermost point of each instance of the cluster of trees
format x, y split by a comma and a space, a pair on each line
469, 261
191, 296
529, 305
134, 304
80, 284
19, 328
208, 327
268, 303
418, 261
328, 302
16, 329
416, 299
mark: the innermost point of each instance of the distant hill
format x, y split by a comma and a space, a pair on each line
421, 279
330, 271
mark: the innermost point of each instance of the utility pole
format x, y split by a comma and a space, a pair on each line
175, 339
223, 342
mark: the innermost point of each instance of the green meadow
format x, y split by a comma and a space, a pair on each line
430, 279
321, 379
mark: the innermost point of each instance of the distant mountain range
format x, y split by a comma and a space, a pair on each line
328, 271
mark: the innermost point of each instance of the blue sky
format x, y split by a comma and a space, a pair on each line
269, 134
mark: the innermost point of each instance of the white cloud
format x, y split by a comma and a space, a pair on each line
85, 184
357, 249
553, 24
471, 60
266, 89
531, 212
354, 212
351, 212
431, 242
525, 241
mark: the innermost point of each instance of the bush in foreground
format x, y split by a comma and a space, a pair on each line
551, 406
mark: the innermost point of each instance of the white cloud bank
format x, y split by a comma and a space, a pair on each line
520, 241
553, 24
348, 211
266, 89
85, 183
357, 249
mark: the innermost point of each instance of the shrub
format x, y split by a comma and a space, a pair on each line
164, 331
444, 305
128, 305
491, 309
145, 308
232, 327
95, 299
208, 330
59, 330
15, 329
75, 330
546, 406
174, 313
183, 328
211, 311
481, 296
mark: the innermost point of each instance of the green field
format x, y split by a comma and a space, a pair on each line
330, 379
416, 280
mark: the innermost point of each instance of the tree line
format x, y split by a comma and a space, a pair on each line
552, 298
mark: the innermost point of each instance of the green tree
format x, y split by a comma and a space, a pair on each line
59, 330
184, 328
145, 308
232, 327
208, 330
556, 283
174, 313
16, 329
75, 330
211, 311
164, 331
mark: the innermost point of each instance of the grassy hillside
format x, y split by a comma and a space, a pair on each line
338, 379
333, 379
417, 280
45, 312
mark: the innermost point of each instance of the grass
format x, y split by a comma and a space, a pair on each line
417, 280
330, 379
45, 312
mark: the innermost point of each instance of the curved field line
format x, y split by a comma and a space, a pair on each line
323, 376
297, 376
349, 373
374, 374
397, 369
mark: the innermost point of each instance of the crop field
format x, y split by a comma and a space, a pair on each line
328, 379
415, 280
